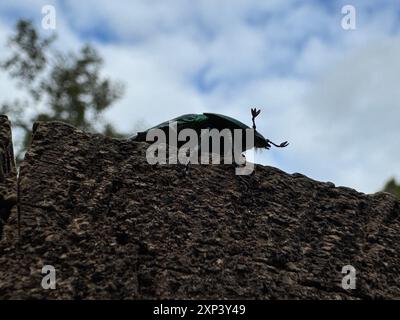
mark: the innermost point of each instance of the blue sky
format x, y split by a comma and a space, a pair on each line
331, 92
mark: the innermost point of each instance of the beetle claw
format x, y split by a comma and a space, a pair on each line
284, 144
255, 112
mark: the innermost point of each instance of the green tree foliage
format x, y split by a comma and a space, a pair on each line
56, 85
392, 187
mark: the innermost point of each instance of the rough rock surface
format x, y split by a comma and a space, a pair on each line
115, 227
8, 177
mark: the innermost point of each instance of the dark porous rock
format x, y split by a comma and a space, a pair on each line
8, 177
114, 226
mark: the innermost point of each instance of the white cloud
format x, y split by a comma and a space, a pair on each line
153, 92
354, 108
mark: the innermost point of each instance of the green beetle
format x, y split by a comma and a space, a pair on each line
210, 121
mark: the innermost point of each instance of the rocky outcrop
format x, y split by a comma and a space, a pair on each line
8, 177
114, 226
